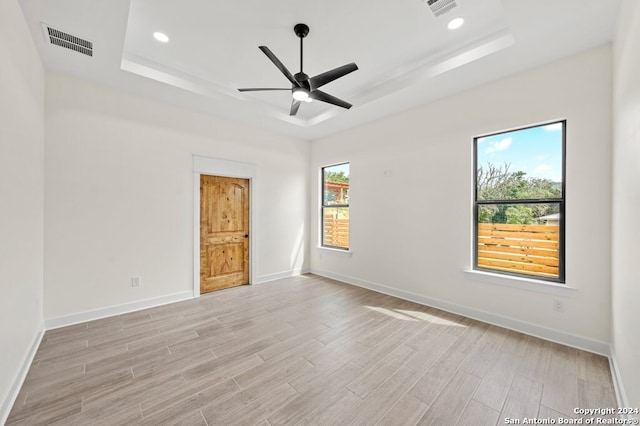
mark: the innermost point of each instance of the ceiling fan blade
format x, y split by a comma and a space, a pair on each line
325, 97
327, 77
295, 105
261, 89
279, 64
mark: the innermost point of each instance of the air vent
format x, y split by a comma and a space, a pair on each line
440, 7
68, 41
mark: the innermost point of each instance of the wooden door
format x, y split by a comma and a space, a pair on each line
224, 232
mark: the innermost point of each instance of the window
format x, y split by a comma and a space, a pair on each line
519, 202
335, 206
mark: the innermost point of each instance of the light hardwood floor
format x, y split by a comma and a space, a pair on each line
304, 350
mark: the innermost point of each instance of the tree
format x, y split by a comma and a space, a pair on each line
336, 176
520, 214
498, 183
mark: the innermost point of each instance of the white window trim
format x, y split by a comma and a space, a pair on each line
520, 282
335, 251
495, 276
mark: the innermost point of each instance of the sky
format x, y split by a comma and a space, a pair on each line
537, 151
340, 168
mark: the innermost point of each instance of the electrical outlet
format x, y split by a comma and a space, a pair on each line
136, 281
558, 305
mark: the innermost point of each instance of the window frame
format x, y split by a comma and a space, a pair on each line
561, 279
323, 206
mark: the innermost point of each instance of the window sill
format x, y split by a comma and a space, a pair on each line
335, 252
520, 282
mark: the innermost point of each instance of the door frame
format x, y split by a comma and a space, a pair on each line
227, 168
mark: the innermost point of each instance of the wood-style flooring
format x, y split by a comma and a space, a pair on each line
305, 350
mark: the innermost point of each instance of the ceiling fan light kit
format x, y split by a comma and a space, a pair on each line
303, 88
300, 94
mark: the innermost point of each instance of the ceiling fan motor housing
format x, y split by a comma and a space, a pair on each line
303, 79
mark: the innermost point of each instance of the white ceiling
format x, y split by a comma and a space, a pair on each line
405, 54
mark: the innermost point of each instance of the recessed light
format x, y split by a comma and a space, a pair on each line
161, 37
455, 23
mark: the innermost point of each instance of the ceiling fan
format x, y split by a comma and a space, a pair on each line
304, 88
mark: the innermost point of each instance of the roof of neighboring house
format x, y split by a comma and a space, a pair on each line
331, 184
554, 216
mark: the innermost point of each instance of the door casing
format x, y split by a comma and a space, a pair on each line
221, 167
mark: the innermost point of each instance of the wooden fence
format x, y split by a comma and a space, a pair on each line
528, 249
336, 231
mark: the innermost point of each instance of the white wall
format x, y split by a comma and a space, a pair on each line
411, 231
21, 197
626, 201
119, 195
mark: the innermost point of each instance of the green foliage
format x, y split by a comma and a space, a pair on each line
336, 176
519, 214
498, 183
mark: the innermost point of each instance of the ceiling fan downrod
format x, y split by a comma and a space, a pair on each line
301, 30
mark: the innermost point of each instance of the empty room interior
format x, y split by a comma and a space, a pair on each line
176, 237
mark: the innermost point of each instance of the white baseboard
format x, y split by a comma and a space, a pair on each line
20, 377
509, 323
557, 336
618, 385
110, 311
277, 276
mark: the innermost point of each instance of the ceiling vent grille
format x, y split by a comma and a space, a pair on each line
68, 41
440, 7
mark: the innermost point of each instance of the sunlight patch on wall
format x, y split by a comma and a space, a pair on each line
297, 253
